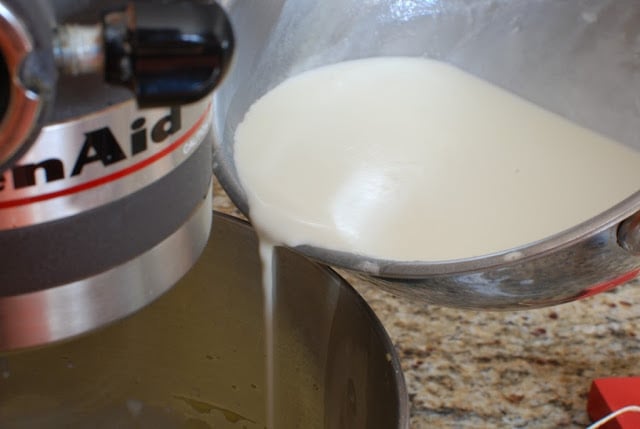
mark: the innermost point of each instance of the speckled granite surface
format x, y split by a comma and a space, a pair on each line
527, 369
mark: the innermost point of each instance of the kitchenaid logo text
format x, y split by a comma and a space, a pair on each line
99, 147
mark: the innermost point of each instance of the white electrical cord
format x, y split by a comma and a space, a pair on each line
602, 421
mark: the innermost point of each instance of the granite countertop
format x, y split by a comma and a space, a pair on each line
519, 369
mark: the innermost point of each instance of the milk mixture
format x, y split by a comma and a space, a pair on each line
412, 159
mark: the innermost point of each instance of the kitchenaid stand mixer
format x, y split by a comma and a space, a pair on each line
106, 157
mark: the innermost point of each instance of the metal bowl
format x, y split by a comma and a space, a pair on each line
576, 58
195, 357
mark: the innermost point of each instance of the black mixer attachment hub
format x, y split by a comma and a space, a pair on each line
171, 54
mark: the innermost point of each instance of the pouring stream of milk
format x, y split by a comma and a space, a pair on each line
414, 160
267, 250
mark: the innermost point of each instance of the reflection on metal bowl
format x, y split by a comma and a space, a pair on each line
195, 357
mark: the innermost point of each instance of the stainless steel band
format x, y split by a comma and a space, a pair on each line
66, 250
54, 314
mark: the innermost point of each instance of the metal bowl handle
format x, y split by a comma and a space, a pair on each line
629, 234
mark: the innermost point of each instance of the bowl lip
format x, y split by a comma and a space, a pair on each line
368, 313
392, 354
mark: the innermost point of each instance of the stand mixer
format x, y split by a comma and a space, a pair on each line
105, 154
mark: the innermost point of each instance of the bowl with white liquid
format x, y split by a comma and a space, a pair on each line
197, 357
466, 153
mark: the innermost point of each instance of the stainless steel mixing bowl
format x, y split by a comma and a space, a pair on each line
578, 58
195, 357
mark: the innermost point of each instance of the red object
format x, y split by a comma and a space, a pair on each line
610, 394
610, 284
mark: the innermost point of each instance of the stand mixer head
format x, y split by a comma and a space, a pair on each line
106, 158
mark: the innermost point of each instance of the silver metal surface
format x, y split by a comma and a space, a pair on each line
629, 234
195, 357
57, 313
78, 49
574, 58
62, 174
23, 106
